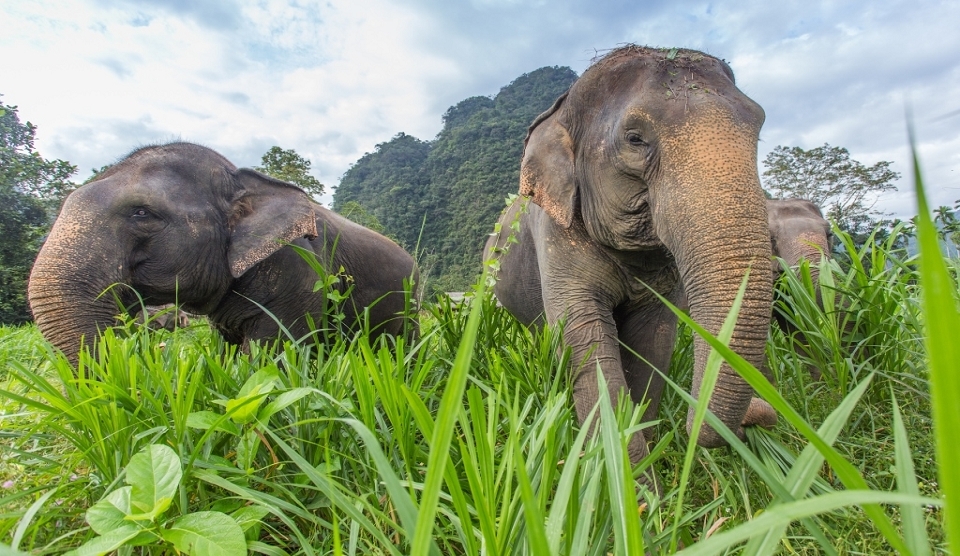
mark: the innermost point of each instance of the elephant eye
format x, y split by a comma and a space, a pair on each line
141, 213
635, 139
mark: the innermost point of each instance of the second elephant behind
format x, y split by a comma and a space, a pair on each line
179, 223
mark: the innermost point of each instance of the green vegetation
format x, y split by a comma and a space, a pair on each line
31, 190
443, 195
844, 188
287, 165
466, 441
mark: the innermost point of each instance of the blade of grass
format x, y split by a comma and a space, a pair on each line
914, 531
536, 536
329, 488
783, 515
808, 464
620, 484
443, 430
846, 472
709, 381
558, 510
28, 517
943, 321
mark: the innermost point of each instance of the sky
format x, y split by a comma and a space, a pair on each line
333, 79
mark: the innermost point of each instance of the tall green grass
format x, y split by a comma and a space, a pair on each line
464, 440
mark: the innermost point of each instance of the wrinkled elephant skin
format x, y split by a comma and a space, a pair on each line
178, 223
643, 175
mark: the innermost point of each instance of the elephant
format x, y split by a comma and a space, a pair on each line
179, 223
798, 231
642, 178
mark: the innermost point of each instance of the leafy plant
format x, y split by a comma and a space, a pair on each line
135, 515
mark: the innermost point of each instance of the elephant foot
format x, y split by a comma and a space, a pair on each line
760, 413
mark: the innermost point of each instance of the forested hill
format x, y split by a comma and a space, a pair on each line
454, 186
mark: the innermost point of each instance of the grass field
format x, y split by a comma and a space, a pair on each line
466, 442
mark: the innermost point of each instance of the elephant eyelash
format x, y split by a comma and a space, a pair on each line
635, 139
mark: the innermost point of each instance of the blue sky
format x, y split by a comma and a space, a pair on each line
332, 79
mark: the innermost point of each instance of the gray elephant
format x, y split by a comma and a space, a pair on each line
643, 175
798, 231
180, 223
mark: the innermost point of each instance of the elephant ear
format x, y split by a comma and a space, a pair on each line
546, 172
266, 214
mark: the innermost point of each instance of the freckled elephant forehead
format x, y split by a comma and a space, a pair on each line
720, 141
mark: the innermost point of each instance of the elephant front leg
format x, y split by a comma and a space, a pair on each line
647, 336
591, 333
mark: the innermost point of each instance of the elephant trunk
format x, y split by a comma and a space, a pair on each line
714, 221
68, 280
809, 246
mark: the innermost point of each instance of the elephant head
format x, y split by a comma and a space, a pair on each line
650, 161
174, 223
798, 231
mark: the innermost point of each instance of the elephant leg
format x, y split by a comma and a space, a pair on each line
596, 349
648, 336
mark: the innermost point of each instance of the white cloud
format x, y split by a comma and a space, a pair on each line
332, 80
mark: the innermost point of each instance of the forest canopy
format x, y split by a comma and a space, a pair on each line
442, 197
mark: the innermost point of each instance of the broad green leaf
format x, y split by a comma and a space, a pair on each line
111, 512
206, 534
154, 473
248, 516
243, 409
282, 401
205, 420
261, 381
107, 543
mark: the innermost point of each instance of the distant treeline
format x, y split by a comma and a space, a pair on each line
443, 196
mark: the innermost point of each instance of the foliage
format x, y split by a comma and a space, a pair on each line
827, 176
940, 308
132, 515
354, 211
334, 448
31, 190
287, 165
443, 194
